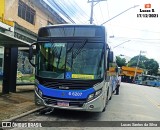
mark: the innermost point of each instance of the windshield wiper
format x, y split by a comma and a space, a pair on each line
59, 57
73, 55
80, 49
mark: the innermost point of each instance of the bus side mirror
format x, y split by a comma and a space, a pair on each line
31, 54
110, 59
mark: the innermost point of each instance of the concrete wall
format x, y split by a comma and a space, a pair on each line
41, 19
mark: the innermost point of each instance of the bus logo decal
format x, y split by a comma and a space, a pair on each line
68, 75
62, 87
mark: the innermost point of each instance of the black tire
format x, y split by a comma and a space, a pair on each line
154, 85
104, 109
46, 110
111, 94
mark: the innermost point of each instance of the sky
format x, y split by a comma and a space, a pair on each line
128, 32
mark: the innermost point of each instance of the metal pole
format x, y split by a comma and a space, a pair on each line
137, 66
91, 18
92, 5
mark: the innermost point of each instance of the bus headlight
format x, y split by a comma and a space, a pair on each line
91, 96
94, 95
98, 93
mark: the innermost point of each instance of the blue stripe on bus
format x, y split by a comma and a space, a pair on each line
70, 94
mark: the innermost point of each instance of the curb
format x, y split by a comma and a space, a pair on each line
24, 114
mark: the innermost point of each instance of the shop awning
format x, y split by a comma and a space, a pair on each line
10, 41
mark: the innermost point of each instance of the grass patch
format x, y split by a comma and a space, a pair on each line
28, 78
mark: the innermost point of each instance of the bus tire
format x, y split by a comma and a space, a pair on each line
106, 102
111, 94
154, 85
104, 109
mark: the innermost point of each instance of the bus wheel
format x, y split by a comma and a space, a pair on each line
154, 85
104, 109
110, 97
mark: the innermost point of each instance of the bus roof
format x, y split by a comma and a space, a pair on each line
72, 30
71, 25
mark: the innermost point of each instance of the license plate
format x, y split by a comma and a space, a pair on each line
63, 104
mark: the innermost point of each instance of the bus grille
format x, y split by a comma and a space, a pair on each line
66, 86
54, 101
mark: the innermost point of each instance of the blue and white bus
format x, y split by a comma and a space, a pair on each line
148, 80
71, 67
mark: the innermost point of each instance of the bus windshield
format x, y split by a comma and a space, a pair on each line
71, 60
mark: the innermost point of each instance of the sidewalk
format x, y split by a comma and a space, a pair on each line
14, 104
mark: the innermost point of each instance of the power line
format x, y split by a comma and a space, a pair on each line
101, 12
82, 12
73, 10
70, 11
92, 5
121, 43
119, 14
96, 21
109, 16
53, 3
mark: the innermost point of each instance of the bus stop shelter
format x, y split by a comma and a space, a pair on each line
11, 45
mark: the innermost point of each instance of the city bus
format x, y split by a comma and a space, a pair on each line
71, 67
148, 80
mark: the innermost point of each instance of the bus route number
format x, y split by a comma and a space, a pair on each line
75, 94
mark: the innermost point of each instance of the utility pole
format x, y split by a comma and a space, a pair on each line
92, 5
137, 65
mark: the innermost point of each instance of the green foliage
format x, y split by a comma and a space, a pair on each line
152, 66
120, 61
149, 65
27, 78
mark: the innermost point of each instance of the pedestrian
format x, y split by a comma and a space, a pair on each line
118, 84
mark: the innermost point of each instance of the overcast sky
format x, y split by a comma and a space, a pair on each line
143, 34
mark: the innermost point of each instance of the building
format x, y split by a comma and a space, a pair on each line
22, 19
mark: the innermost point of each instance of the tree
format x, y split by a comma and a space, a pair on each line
150, 65
120, 61
134, 60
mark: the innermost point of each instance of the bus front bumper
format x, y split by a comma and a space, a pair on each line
95, 105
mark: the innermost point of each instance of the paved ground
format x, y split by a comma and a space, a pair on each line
135, 103
14, 104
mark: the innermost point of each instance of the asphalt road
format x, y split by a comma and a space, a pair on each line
135, 103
